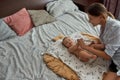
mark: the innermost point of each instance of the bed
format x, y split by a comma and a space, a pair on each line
21, 57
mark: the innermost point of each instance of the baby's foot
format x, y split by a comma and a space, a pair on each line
94, 57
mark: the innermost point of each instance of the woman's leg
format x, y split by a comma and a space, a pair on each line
118, 78
110, 76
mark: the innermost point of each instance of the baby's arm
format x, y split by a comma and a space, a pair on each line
72, 49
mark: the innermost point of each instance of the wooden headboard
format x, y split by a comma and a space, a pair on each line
8, 7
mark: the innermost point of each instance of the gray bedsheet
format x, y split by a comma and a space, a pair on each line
21, 57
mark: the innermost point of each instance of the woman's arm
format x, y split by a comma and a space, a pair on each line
99, 53
97, 46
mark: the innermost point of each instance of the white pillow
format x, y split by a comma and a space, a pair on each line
5, 31
60, 7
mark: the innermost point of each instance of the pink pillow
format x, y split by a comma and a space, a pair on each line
20, 22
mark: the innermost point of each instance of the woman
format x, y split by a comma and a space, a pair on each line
109, 48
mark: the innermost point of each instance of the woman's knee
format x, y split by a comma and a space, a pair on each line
118, 78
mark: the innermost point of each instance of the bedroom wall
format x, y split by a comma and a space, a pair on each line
114, 7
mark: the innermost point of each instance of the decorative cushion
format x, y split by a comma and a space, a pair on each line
20, 22
40, 17
5, 31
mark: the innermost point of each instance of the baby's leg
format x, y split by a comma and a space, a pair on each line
84, 59
85, 56
80, 56
110, 76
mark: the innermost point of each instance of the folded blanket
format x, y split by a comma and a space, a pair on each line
58, 67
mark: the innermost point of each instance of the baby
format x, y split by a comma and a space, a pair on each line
75, 49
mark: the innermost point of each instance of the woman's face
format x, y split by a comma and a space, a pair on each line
94, 20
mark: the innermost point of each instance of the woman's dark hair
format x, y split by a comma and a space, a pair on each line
97, 9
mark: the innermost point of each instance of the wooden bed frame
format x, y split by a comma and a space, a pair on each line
8, 7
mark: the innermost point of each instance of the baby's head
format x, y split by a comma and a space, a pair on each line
68, 42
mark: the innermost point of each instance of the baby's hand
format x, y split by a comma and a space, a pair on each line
81, 43
78, 41
79, 48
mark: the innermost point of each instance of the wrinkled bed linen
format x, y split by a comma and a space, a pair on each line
21, 57
5, 31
